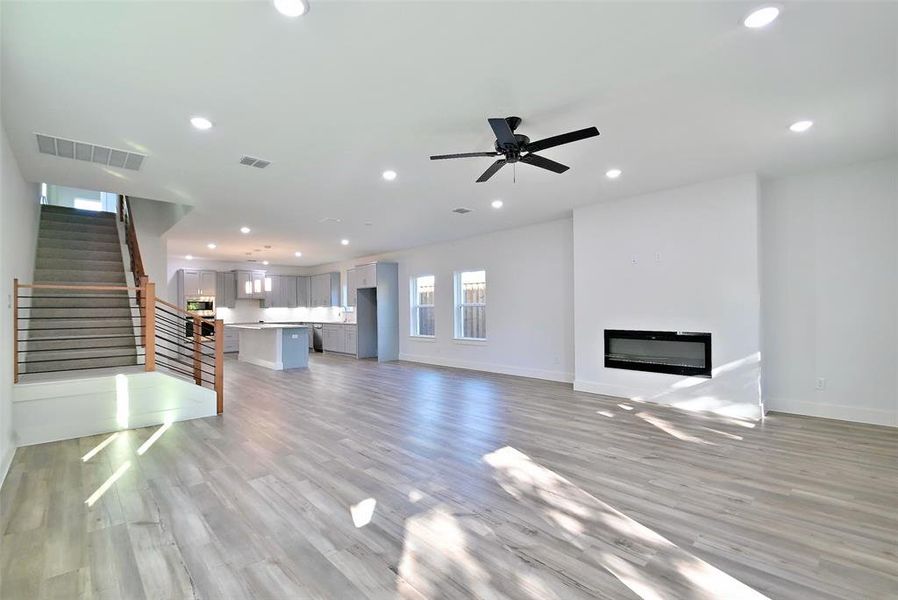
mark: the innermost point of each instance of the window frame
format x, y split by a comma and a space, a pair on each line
458, 309
414, 305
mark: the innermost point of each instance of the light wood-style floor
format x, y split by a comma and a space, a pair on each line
361, 480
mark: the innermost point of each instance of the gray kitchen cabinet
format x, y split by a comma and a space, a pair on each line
288, 291
208, 279
339, 337
193, 282
271, 296
351, 287
366, 276
231, 339
226, 289
244, 284
325, 289
333, 339
303, 291
188, 283
351, 339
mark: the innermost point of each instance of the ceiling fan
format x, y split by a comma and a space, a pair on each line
515, 147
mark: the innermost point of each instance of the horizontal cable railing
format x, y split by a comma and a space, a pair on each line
62, 328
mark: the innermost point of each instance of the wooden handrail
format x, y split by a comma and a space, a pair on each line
75, 286
182, 311
131, 239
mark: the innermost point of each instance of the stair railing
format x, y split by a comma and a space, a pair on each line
174, 339
126, 216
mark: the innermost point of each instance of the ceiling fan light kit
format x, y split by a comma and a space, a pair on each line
516, 147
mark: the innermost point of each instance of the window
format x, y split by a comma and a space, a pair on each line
422, 306
86, 204
470, 305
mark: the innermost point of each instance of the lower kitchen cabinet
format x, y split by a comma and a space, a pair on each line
340, 338
231, 339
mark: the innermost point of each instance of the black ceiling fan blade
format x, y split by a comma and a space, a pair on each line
564, 138
544, 163
463, 155
492, 170
504, 134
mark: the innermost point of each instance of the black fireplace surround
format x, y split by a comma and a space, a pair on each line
675, 352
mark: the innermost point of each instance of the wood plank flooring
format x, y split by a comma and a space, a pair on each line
482, 486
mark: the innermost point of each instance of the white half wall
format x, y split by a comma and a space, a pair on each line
830, 292
19, 218
59, 410
678, 260
529, 274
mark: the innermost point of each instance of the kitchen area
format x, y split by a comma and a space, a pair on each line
357, 317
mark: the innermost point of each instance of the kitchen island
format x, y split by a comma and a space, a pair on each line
276, 346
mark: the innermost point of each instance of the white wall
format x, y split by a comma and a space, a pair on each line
830, 292
60, 195
19, 217
152, 219
529, 272
678, 260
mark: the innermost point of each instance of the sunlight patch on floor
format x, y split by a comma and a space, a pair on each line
107, 484
152, 439
99, 447
671, 429
363, 512
619, 544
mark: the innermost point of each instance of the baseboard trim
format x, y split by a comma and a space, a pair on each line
838, 412
6, 463
544, 374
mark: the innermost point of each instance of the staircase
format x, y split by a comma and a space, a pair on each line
78, 329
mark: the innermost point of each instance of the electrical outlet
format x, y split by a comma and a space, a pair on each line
821, 383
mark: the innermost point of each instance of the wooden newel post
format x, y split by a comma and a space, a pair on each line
15, 331
149, 327
219, 364
197, 350
141, 306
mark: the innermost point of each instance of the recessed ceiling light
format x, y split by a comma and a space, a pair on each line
201, 122
244, 230
613, 173
389, 175
297, 254
211, 246
801, 126
344, 242
291, 8
496, 203
189, 257
761, 17
264, 262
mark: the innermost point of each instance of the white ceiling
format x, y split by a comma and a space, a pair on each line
681, 92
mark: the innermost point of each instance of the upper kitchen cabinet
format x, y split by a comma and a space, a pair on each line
192, 283
252, 284
361, 277
303, 291
288, 291
226, 289
325, 289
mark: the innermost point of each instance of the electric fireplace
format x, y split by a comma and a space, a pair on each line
675, 352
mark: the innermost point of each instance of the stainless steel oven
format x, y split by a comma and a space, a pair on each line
203, 306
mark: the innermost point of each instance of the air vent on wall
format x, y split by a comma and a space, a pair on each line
461, 210
252, 161
112, 157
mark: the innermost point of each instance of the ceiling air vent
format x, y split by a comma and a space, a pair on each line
461, 210
112, 157
252, 161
